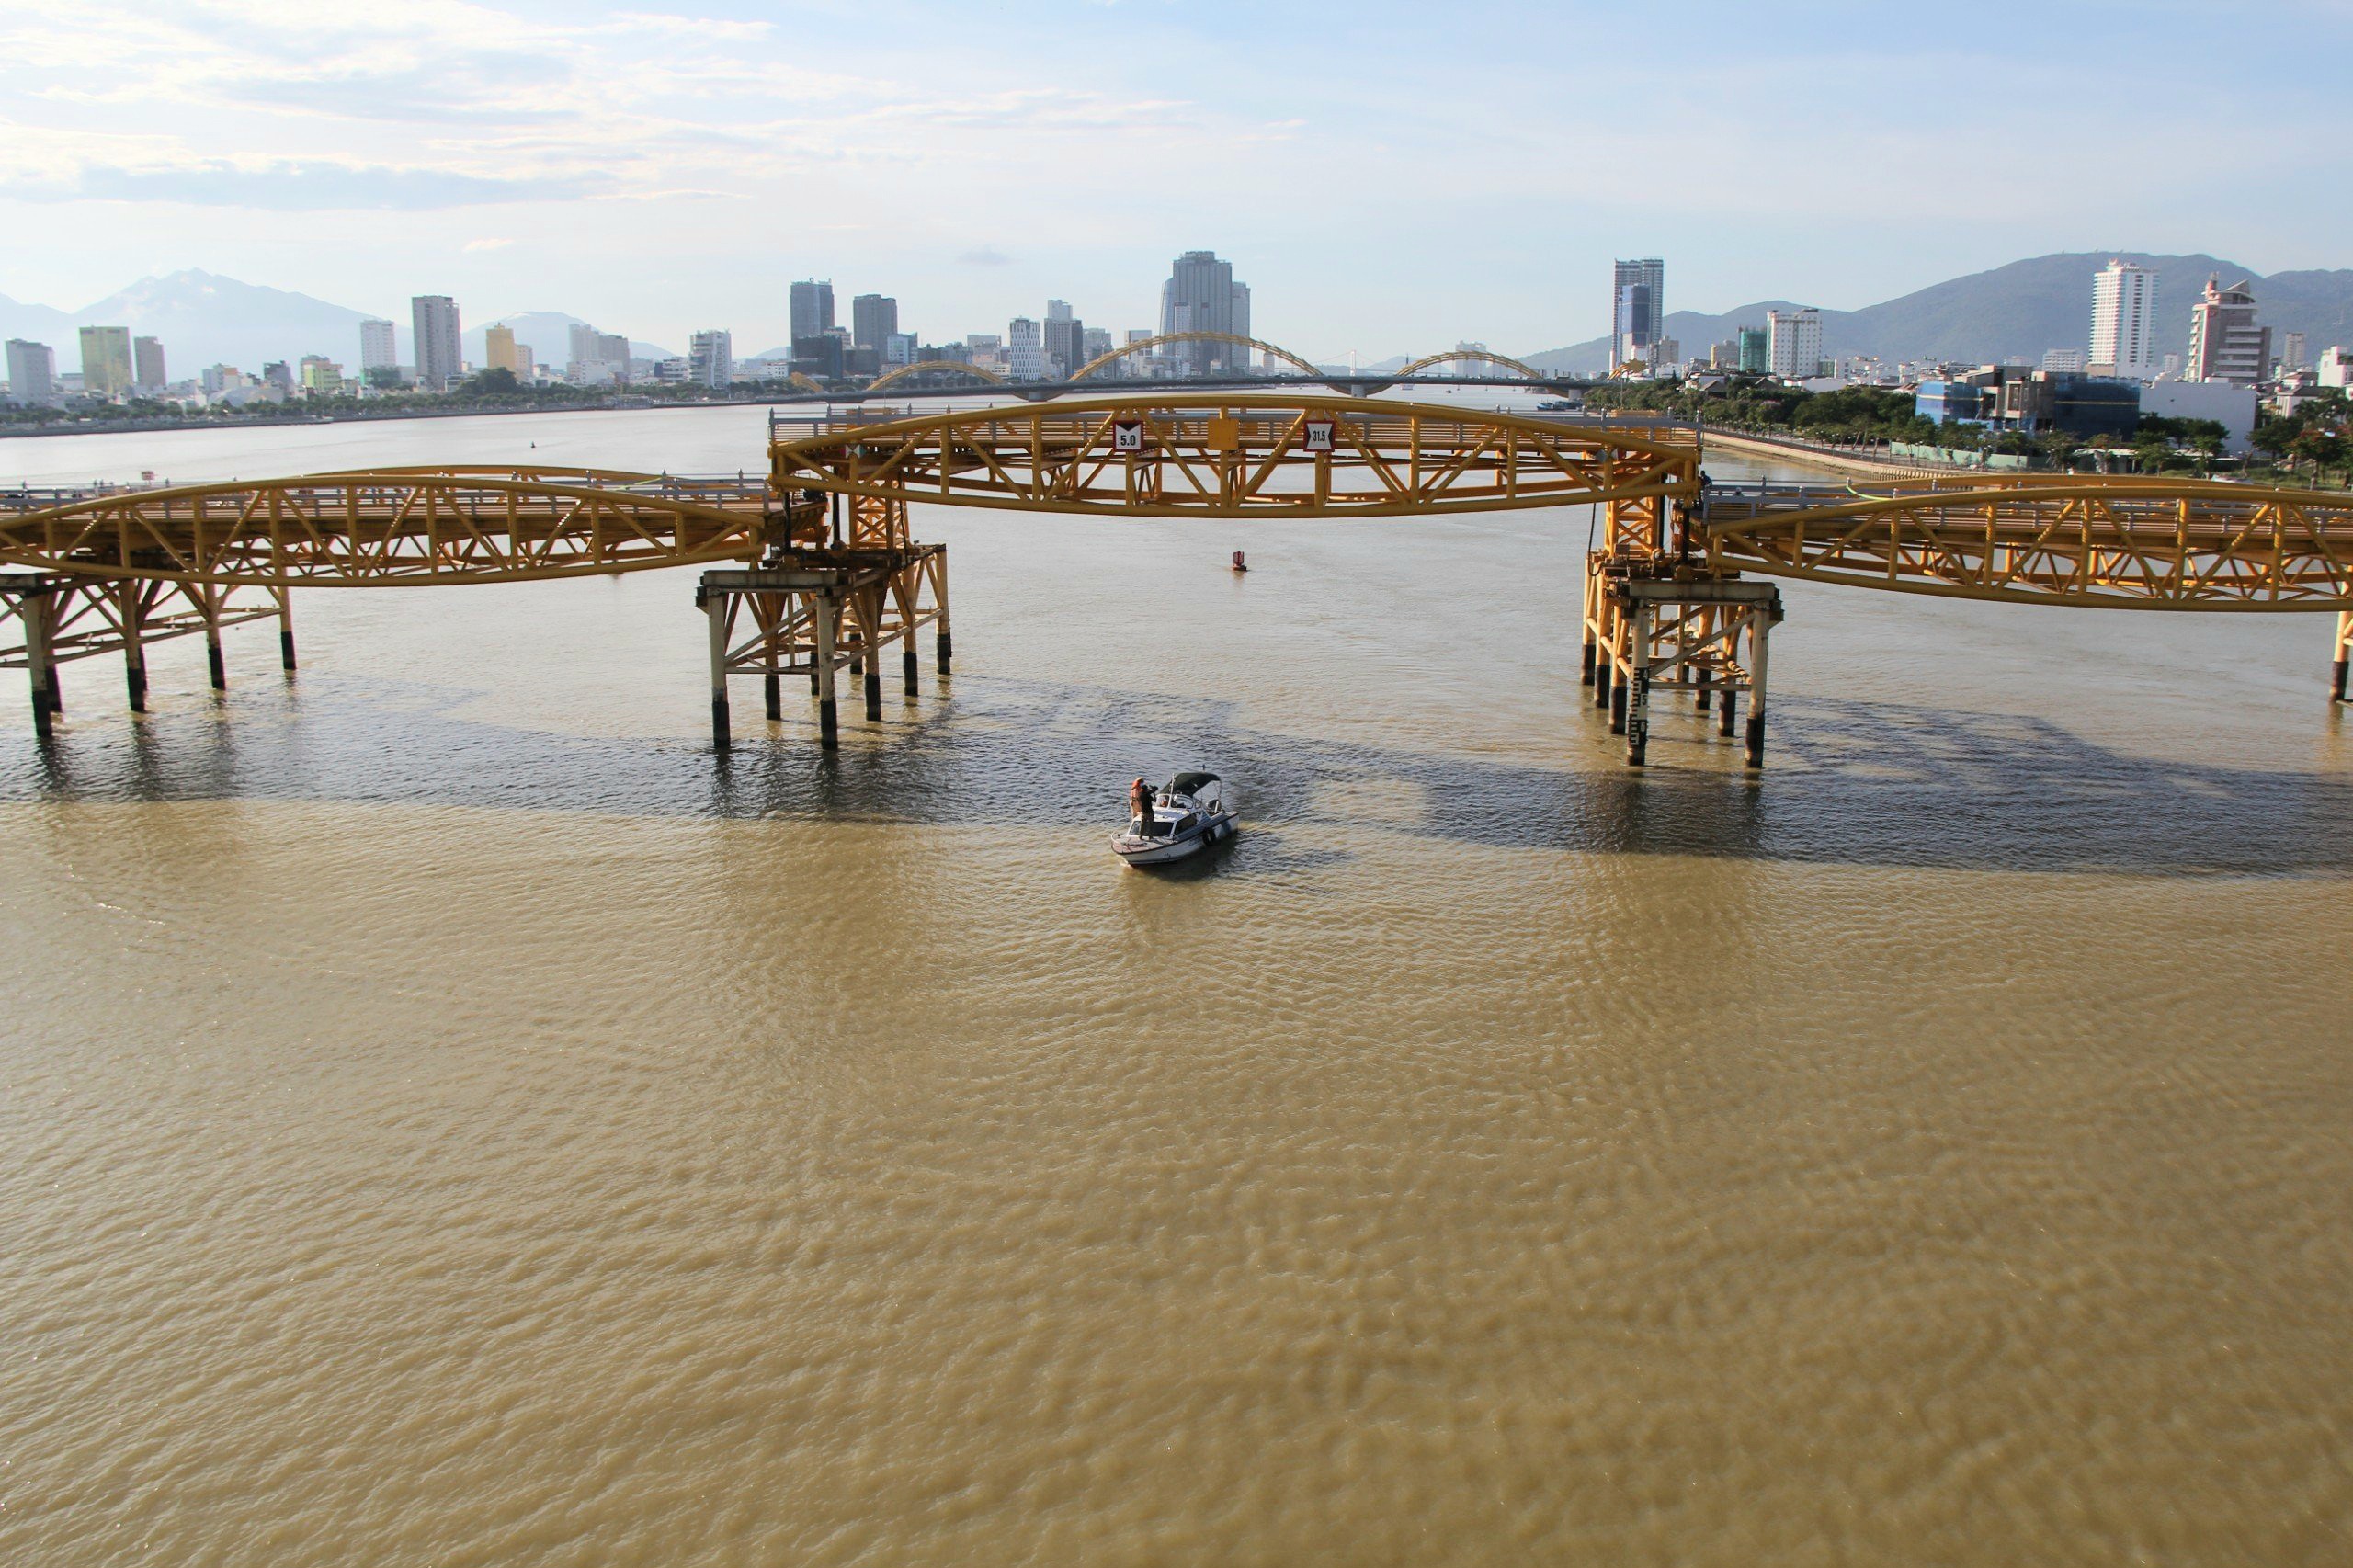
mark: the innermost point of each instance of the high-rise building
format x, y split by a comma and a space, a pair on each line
1094, 345
378, 350
580, 344
1065, 340
1202, 296
812, 309
321, 377
1637, 308
2065, 362
873, 319
2291, 351
2226, 344
2124, 322
899, 348
612, 349
32, 370
147, 364
711, 359
1793, 343
1025, 351
499, 350
434, 319
106, 360
1755, 351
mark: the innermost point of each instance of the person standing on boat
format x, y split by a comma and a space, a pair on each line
1139, 804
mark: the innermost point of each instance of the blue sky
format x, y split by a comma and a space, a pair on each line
1389, 179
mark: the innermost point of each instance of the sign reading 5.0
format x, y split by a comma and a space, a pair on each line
1126, 434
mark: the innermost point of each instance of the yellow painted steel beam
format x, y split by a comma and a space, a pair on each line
2112, 542
1293, 455
396, 525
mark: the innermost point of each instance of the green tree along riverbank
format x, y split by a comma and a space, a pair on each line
1877, 417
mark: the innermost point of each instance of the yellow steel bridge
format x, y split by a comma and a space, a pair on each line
823, 571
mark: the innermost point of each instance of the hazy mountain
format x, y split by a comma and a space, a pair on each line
41, 325
204, 319
2019, 311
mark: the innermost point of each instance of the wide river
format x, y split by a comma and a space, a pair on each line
450, 1117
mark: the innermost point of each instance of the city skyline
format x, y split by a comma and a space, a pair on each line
529, 157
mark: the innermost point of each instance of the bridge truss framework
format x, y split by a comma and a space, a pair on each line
816, 570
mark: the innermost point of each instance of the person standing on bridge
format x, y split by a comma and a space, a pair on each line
1140, 806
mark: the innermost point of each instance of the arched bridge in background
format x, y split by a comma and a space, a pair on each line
817, 569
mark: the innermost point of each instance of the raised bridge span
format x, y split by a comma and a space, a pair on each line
816, 570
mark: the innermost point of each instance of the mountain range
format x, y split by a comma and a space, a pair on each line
2015, 311
203, 319
2018, 310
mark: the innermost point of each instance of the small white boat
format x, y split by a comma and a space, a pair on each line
1184, 818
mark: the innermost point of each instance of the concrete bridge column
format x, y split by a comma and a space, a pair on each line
2343, 652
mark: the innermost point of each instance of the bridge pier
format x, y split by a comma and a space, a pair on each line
131, 607
1659, 625
2344, 654
820, 611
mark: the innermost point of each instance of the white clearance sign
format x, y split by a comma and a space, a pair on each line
1126, 434
1319, 436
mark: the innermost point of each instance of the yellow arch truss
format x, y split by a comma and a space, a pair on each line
2128, 542
404, 525
1473, 356
1146, 345
935, 366
1195, 454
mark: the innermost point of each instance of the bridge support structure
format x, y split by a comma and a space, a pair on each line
2344, 654
1654, 625
48, 618
817, 612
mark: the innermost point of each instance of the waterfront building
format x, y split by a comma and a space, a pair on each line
433, 318
275, 374
106, 361
899, 348
2124, 322
1755, 351
378, 350
812, 309
874, 320
1637, 309
2065, 362
2291, 351
1202, 296
820, 357
32, 370
711, 359
2335, 369
499, 350
1065, 339
2009, 398
1025, 351
1094, 345
1793, 343
2232, 408
2225, 342
321, 377
214, 380
147, 373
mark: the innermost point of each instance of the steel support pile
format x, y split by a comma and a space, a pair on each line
1652, 626
48, 618
816, 612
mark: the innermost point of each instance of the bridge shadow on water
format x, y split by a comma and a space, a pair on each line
1850, 782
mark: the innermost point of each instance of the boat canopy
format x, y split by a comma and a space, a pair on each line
1191, 783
